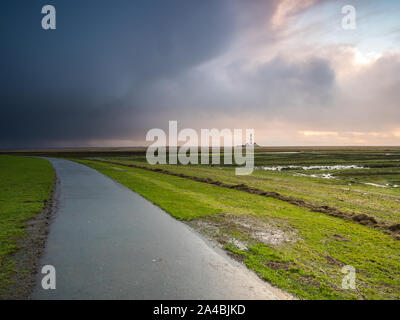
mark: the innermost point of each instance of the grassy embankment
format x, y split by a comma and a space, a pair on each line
315, 246
25, 185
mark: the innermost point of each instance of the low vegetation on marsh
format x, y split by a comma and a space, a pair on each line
373, 188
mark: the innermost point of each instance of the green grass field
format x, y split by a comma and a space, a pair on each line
292, 247
25, 184
346, 191
312, 248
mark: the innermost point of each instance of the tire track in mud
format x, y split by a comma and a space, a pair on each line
359, 218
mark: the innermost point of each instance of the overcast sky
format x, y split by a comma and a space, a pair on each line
112, 70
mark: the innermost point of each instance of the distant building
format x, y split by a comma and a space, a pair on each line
250, 143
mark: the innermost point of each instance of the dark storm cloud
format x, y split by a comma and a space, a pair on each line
114, 69
309, 82
80, 81
277, 87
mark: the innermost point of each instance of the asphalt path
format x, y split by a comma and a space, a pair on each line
107, 242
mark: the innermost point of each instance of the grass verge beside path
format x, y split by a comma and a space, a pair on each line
363, 219
307, 257
381, 203
25, 187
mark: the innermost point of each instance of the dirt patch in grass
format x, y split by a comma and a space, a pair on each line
334, 261
275, 265
242, 231
365, 220
264, 232
31, 247
395, 227
361, 219
340, 238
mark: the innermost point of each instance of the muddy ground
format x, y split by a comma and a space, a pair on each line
242, 231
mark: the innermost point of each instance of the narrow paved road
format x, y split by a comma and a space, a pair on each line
107, 242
